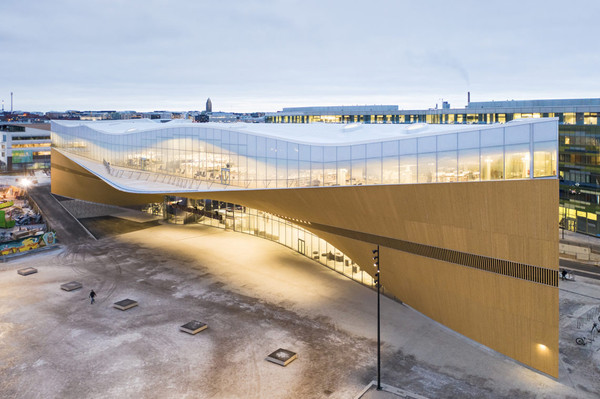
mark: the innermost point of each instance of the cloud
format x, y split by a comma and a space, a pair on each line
152, 54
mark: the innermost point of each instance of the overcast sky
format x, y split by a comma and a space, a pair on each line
264, 55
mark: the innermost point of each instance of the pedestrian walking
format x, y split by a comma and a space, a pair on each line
92, 296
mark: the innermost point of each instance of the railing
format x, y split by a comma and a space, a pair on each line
182, 182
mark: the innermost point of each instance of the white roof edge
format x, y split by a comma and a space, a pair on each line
339, 133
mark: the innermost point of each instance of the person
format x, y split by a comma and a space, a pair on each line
563, 274
92, 296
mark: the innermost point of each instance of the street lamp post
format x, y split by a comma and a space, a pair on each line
377, 282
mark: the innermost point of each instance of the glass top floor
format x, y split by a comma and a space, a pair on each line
313, 155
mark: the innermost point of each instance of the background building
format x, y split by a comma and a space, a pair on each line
25, 146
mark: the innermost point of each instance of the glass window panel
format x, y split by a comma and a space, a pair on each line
426, 144
261, 172
329, 153
292, 151
517, 161
492, 137
407, 146
251, 146
261, 147
242, 172
293, 174
316, 153
343, 173
304, 151
303, 174
408, 169
358, 151
492, 163
374, 171
545, 131
390, 170
281, 149
271, 148
516, 134
233, 137
374, 150
390, 148
468, 165
271, 173
426, 168
358, 172
544, 159
569, 118
330, 178
343, 153
281, 173
224, 136
446, 142
316, 174
446, 166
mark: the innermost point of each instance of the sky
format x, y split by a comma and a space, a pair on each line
263, 55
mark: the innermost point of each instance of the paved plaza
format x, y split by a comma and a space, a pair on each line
255, 296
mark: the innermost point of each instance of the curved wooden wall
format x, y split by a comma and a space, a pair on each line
483, 259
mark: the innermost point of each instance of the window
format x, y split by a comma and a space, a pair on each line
544, 159
492, 163
517, 161
427, 168
446, 166
569, 118
468, 165
408, 169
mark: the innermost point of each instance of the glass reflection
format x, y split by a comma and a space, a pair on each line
446, 166
426, 168
544, 159
468, 165
517, 161
492, 163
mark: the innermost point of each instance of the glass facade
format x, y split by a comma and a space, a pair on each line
440, 117
579, 168
261, 224
225, 157
185, 154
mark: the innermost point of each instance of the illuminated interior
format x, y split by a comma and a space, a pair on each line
212, 153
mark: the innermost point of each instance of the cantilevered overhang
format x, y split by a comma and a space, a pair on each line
479, 257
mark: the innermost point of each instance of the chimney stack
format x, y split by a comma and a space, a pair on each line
468, 97
11, 102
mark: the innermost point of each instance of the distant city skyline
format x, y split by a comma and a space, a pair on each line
266, 55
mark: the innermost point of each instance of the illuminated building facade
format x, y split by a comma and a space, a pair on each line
579, 130
465, 216
25, 146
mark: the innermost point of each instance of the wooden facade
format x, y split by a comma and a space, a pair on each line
480, 258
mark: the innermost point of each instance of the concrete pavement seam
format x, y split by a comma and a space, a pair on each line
577, 293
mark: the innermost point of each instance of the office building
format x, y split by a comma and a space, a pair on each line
25, 146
